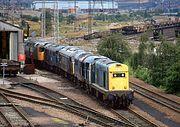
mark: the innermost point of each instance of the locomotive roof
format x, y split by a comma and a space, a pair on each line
52, 47
59, 47
105, 62
40, 43
65, 48
93, 58
77, 55
70, 50
29, 42
47, 45
83, 57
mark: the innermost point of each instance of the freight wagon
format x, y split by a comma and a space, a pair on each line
12, 68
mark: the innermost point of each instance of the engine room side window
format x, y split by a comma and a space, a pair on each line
119, 75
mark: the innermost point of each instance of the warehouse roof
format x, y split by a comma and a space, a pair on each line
5, 26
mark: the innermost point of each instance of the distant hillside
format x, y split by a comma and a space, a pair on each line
145, 4
132, 1
123, 4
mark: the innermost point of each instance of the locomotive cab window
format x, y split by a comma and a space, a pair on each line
41, 49
119, 75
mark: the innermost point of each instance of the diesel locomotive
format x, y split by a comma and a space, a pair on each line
100, 76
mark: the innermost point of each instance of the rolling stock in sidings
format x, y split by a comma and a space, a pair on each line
100, 76
12, 68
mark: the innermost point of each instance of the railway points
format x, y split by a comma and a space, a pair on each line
11, 94
11, 115
55, 80
77, 106
81, 110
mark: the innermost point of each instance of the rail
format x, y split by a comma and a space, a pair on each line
11, 114
133, 118
82, 111
171, 104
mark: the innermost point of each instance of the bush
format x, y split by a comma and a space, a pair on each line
173, 78
129, 68
35, 19
115, 47
30, 18
143, 74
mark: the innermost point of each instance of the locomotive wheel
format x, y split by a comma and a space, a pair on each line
113, 104
87, 89
116, 102
127, 102
124, 102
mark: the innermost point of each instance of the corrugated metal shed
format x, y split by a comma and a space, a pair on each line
11, 41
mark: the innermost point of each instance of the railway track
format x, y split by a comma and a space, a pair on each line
133, 118
54, 100
139, 120
10, 115
171, 104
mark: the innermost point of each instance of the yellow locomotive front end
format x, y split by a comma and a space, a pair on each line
41, 54
118, 77
120, 94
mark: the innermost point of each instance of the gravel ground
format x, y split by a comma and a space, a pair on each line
66, 88
170, 114
160, 115
159, 112
147, 116
153, 88
143, 106
45, 116
26, 91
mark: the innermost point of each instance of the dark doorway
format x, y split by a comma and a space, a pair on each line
4, 44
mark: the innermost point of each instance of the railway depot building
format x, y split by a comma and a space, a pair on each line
11, 42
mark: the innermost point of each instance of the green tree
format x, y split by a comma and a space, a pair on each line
173, 78
166, 61
30, 18
178, 41
173, 72
140, 57
134, 61
61, 17
144, 37
114, 47
160, 67
70, 19
35, 19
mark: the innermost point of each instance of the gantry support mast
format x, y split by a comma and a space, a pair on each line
43, 20
75, 13
89, 18
56, 22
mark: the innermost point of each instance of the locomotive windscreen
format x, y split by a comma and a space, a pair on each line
119, 75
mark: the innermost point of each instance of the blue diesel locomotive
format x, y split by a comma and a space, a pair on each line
100, 76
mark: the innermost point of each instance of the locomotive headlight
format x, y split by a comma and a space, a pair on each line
113, 87
125, 87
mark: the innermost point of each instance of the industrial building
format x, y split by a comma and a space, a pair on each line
11, 42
